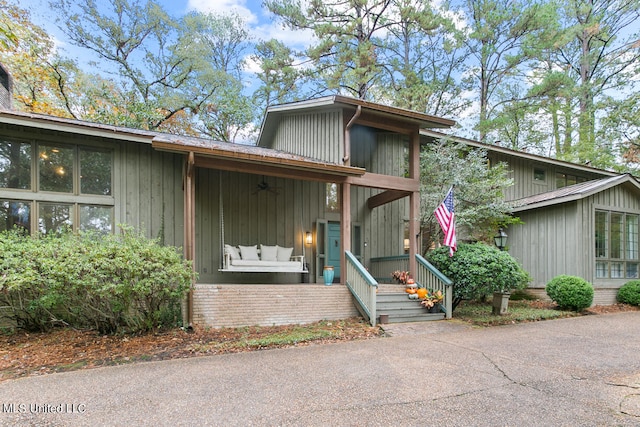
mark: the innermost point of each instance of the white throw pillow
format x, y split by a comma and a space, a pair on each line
232, 251
284, 254
249, 253
268, 253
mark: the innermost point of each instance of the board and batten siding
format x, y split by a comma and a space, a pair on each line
315, 135
149, 193
379, 152
549, 243
521, 171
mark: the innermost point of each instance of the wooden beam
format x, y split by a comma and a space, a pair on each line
386, 182
414, 200
189, 226
345, 228
386, 197
268, 170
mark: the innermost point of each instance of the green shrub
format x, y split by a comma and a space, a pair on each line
570, 292
478, 270
629, 293
111, 283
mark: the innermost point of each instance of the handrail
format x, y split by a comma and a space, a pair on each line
431, 278
362, 285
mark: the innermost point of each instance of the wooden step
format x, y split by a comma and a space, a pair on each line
399, 308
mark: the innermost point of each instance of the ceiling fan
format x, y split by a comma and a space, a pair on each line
265, 186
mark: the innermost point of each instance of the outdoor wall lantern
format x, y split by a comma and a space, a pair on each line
500, 239
308, 238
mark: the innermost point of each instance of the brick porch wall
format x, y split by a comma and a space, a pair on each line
220, 306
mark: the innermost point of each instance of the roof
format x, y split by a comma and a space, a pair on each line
43, 121
573, 192
516, 153
381, 111
249, 154
176, 143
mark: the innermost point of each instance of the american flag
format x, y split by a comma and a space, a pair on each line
447, 220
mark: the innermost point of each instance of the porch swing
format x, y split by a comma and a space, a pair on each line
257, 258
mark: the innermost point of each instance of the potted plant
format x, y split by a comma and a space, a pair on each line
432, 301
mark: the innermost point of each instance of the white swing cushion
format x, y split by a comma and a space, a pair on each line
269, 253
249, 253
232, 251
266, 259
283, 254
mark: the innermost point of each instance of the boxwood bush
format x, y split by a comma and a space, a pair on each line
629, 293
478, 270
570, 292
110, 283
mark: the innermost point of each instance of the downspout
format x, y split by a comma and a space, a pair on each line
347, 136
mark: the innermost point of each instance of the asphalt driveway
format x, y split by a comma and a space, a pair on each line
581, 371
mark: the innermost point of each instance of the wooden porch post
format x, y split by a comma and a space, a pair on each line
189, 226
414, 200
345, 228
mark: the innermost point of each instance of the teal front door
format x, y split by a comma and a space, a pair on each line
333, 249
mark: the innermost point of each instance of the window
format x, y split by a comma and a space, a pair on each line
539, 175
74, 186
332, 203
15, 165
14, 213
564, 180
616, 245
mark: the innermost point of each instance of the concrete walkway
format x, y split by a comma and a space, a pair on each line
581, 371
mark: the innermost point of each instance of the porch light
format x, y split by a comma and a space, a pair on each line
308, 238
500, 239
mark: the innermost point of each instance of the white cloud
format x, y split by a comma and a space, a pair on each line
224, 6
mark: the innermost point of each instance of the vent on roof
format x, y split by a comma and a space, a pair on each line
5, 89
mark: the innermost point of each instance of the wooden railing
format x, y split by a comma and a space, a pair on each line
427, 276
382, 267
363, 287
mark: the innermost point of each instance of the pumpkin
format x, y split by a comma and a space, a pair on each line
422, 293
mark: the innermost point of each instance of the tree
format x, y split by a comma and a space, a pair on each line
166, 72
280, 79
423, 59
43, 80
497, 34
349, 35
478, 191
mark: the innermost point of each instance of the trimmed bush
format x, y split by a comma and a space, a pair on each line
110, 283
478, 270
629, 293
570, 292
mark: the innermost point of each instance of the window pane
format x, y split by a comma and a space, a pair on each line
15, 214
601, 234
616, 236
56, 168
96, 218
54, 217
601, 269
15, 165
332, 198
571, 180
616, 270
631, 237
561, 180
95, 172
632, 270
539, 175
